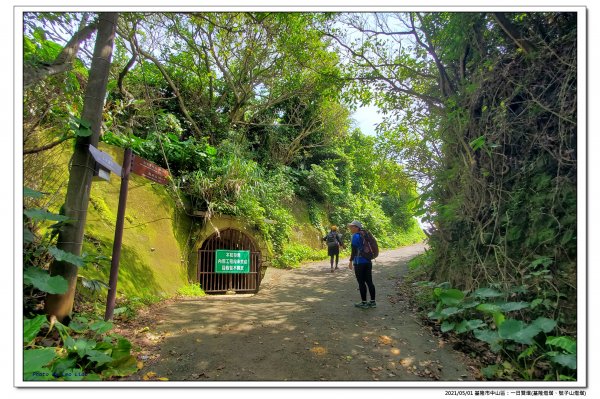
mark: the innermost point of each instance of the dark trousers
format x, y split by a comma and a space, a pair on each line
363, 273
334, 252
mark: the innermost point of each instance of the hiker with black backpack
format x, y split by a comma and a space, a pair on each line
334, 242
364, 250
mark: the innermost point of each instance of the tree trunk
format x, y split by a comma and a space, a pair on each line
70, 238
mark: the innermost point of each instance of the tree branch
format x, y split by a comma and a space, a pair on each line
173, 86
48, 146
512, 32
63, 61
432, 101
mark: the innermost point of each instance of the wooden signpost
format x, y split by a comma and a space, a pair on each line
140, 166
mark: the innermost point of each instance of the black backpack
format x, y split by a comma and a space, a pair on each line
370, 248
332, 239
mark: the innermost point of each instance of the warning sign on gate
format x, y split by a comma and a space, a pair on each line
230, 261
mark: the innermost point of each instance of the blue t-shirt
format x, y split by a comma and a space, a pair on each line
357, 243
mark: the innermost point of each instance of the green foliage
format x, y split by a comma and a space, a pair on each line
507, 327
87, 352
294, 254
166, 146
40, 279
193, 290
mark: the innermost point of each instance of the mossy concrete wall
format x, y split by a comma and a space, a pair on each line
160, 244
155, 236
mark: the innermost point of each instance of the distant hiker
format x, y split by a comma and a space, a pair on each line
364, 249
334, 242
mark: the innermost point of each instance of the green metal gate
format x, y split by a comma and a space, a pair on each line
220, 283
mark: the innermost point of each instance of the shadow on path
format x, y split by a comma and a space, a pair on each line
302, 326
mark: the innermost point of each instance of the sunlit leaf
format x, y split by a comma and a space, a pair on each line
41, 214
35, 359
31, 327
63, 256
42, 280
566, 343
124, 366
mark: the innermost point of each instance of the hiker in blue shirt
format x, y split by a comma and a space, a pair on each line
363, 267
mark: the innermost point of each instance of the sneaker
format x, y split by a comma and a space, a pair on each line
362, 305
372, 304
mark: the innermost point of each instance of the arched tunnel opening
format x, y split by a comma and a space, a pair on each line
229, 261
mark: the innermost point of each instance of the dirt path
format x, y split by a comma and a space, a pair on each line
301, 326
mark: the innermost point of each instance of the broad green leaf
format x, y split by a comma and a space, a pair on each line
78, 325
545, 324
510, 327
567, 360
42, 280
447, 326
468, 325
27, 192
470, 303
83, 132
477, 143
489, 308
498, 318
59, 367
518, 331
28, 236
435, 315
512, 306
101, 326
450, 311
36, 359
63, 256
122, 367
451, 297
566, 343
123, 349
491, 337
83, 122
490, 371
487, 293
40, 214
82, 346
99, 357
31, 327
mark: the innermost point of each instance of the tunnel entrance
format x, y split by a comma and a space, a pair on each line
212, 279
